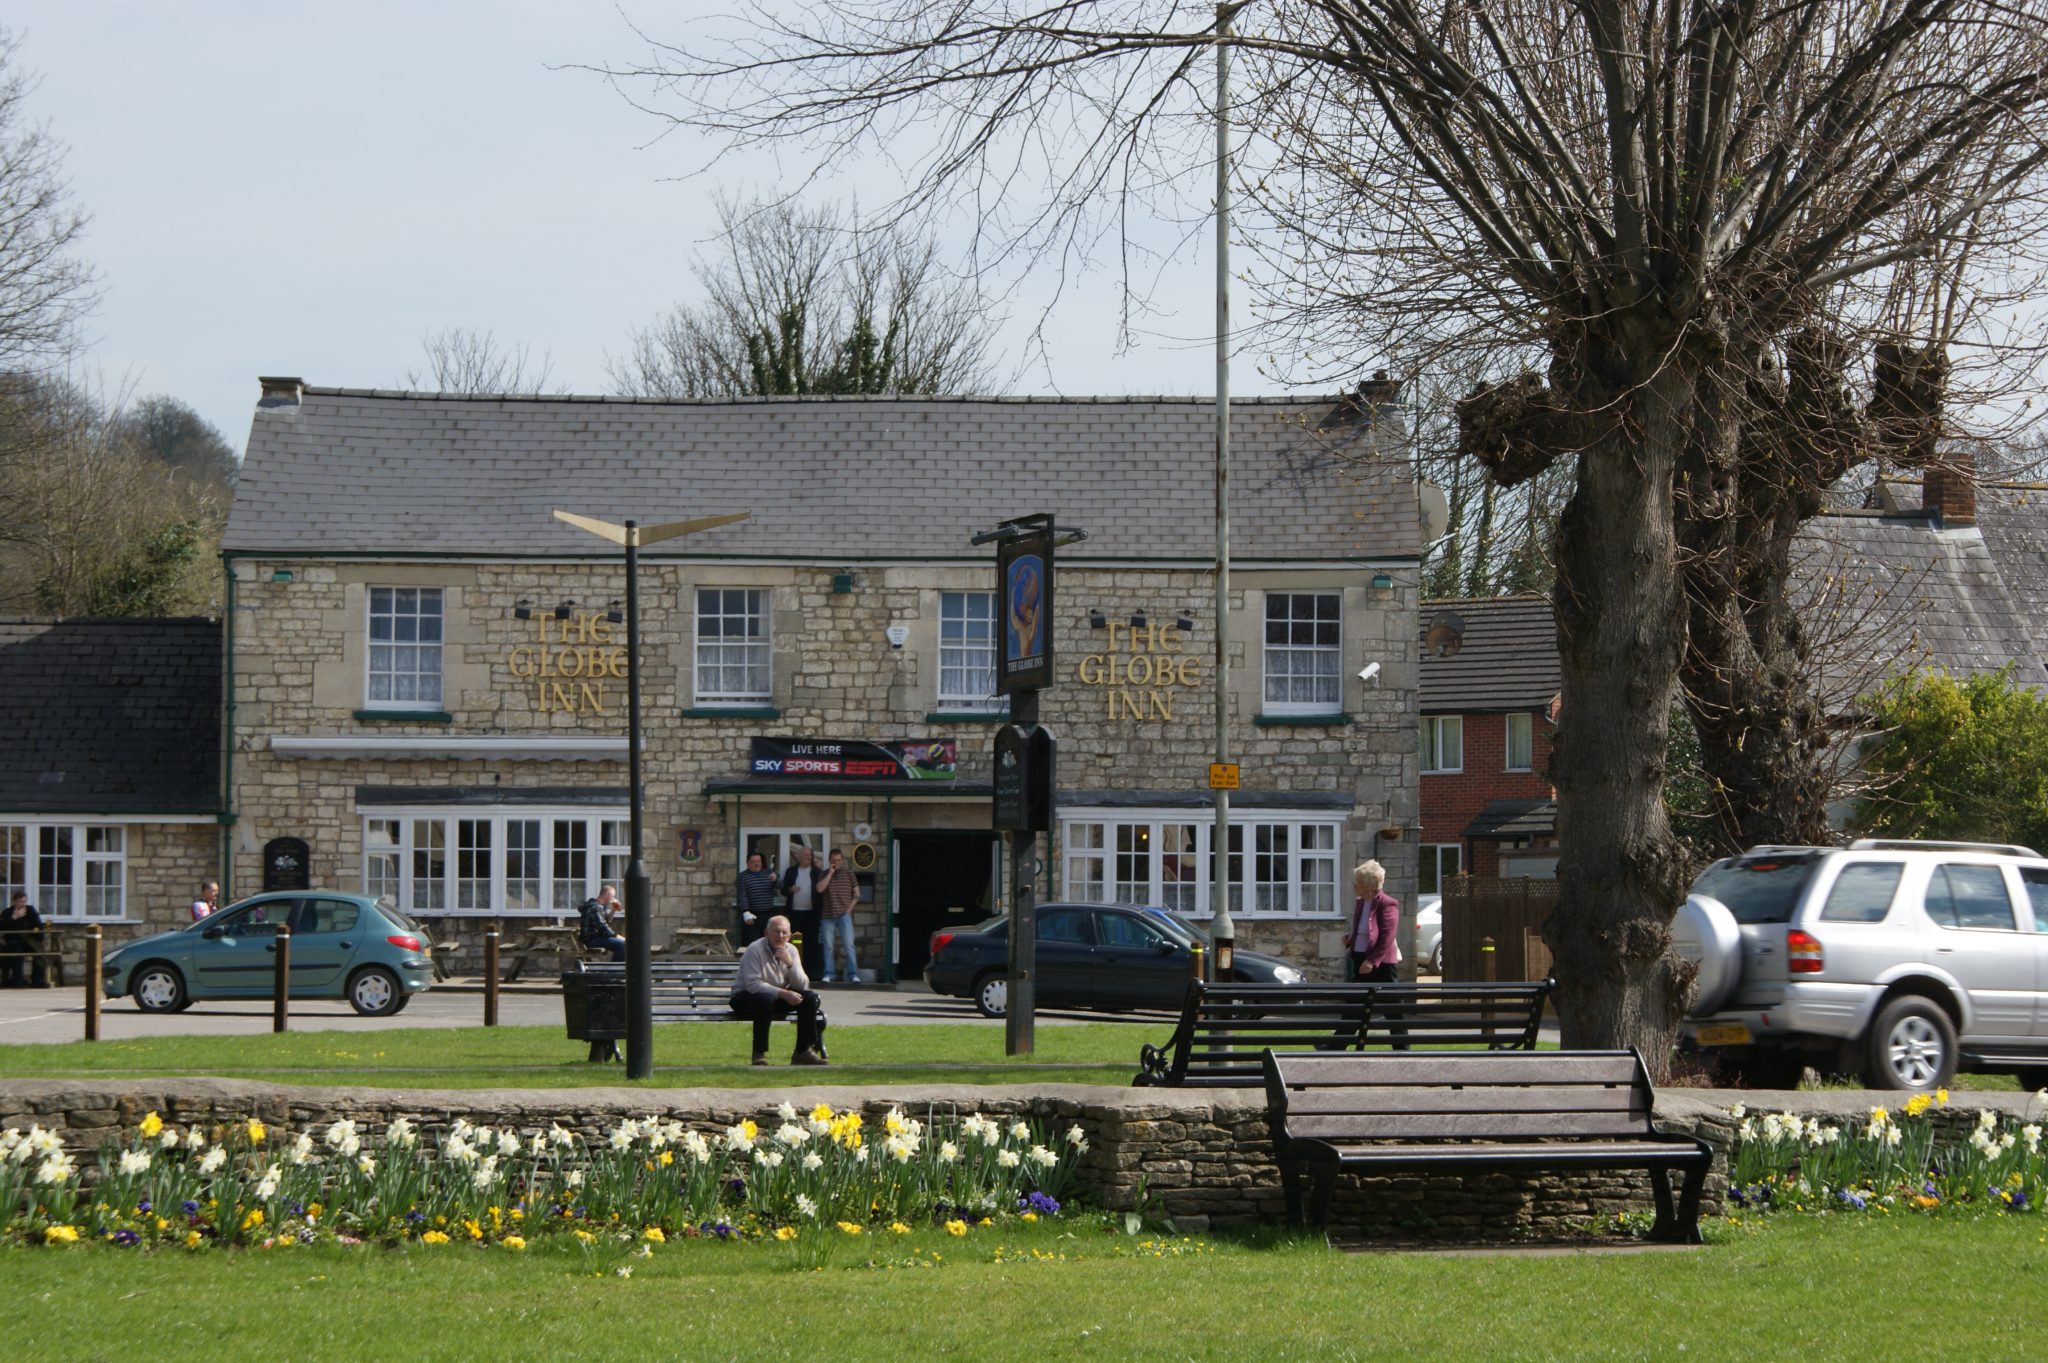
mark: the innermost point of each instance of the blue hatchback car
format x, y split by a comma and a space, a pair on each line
343, 946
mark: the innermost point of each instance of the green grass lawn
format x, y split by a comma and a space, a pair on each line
1792, 1288
685, 1055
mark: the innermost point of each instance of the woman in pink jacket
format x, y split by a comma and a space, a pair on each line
1375, 922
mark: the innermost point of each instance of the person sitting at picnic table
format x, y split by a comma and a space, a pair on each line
595, 928
16, 926
771, 986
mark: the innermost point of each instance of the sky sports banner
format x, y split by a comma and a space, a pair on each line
814, 759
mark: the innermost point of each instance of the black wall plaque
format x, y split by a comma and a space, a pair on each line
287, 864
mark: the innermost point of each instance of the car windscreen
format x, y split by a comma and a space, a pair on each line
1762, 889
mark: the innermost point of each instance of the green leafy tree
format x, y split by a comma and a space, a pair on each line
1957, 759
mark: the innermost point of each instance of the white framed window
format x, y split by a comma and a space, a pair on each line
75, 871
1304, 653
1162, 857
967, 652
1440, 861
732, 665
1443, 743
405, 649
505, 862
1517, 742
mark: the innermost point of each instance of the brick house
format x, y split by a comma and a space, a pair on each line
1488, 697
428, 686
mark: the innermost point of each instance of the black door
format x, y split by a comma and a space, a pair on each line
945, 880
1137, 965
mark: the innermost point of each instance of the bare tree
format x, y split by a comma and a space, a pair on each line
44, 288
1653, 195
178, 437
463, 360
807, 301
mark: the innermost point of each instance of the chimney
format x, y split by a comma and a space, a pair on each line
281, 392
1948, 489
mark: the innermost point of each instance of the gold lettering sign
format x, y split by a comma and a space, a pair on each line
1139, 671
569, 666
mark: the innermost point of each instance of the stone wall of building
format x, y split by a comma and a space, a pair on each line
299, 651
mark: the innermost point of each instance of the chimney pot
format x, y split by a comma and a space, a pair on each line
281, 392
1948, 490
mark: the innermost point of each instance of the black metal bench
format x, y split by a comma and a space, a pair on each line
1224, 1027
685, 989
1455, 1113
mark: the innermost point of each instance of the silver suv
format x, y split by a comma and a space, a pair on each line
1900, 961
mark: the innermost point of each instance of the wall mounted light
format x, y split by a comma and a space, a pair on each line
1096, 619
523, 609
281, 575
614, 612
1382, 580
562, 611
843, 583
1184, 623
1137, 619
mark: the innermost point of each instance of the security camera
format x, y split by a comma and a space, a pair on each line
1369, 674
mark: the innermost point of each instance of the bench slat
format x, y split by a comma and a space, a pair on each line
1469, 1126
1469, 1067
1378, 1101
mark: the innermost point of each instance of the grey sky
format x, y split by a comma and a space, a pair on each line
285, 188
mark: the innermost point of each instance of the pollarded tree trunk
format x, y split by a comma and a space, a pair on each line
1621, 628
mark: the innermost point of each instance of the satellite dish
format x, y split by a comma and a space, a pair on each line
1446, 634
1435, 511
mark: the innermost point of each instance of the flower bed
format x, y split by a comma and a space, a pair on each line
819, 1178
1918, 1160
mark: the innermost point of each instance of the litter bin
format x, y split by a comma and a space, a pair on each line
594, 1008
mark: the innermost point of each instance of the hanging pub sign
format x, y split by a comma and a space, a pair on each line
287, 864
1024, 587
855, 760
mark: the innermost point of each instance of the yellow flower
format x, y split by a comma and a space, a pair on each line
313, 1210
434, 1237
1941, 1096
191, 1239
850, 1227
668, 1157
898, 1228
785, 1232
655, 1234
254, 1218
476, 1232
1918, 1104
1028, 1216
822, 1112
152, 1125
956, 1228
750, 1129
255, 1132
585, 1236
162, 1225
514, 1242
60, 1235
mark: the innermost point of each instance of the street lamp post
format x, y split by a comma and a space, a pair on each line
639, 891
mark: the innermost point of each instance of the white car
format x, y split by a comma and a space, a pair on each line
1429, 936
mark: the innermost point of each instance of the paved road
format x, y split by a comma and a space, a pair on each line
46, 1015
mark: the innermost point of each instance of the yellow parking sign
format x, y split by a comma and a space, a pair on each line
1223, 776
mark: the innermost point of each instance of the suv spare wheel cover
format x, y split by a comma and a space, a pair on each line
1706, 933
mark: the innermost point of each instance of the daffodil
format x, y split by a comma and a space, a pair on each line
151, 1125
956, 1227
656, 1234
513, 1242
60, 1235
434, 1237
785, 1232
256, 1131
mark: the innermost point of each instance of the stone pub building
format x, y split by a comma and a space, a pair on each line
426, 671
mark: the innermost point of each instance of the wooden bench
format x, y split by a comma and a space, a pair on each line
46, 947
1456, 1113
1224, 1027
689, 989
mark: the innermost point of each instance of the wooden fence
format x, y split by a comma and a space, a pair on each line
1508, 909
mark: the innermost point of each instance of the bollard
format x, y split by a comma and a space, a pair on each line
1486, 973
92, 982
491, 976
281, 988
1195, 964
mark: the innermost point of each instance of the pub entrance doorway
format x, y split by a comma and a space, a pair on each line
944, 879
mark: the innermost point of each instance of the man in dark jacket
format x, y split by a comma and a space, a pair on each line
802, 888
756, 897
595, 928
17, 923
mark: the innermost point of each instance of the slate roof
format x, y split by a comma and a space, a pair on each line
110, 716
1506, 820
2014, 520
1508, 660
841, 479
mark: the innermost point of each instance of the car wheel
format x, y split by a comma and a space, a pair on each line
1911, 1046
374, 992
992, 995
158, 988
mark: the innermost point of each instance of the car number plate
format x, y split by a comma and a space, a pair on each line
1723, 1034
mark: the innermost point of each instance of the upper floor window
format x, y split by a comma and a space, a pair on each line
732, 646
1519, 744
405, 647
1443, 743
967, 651
1304, 651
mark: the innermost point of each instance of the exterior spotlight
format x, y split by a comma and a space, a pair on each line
562, 611
523, 610
614, 613
1096, 619
1137, 619
1184, 623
